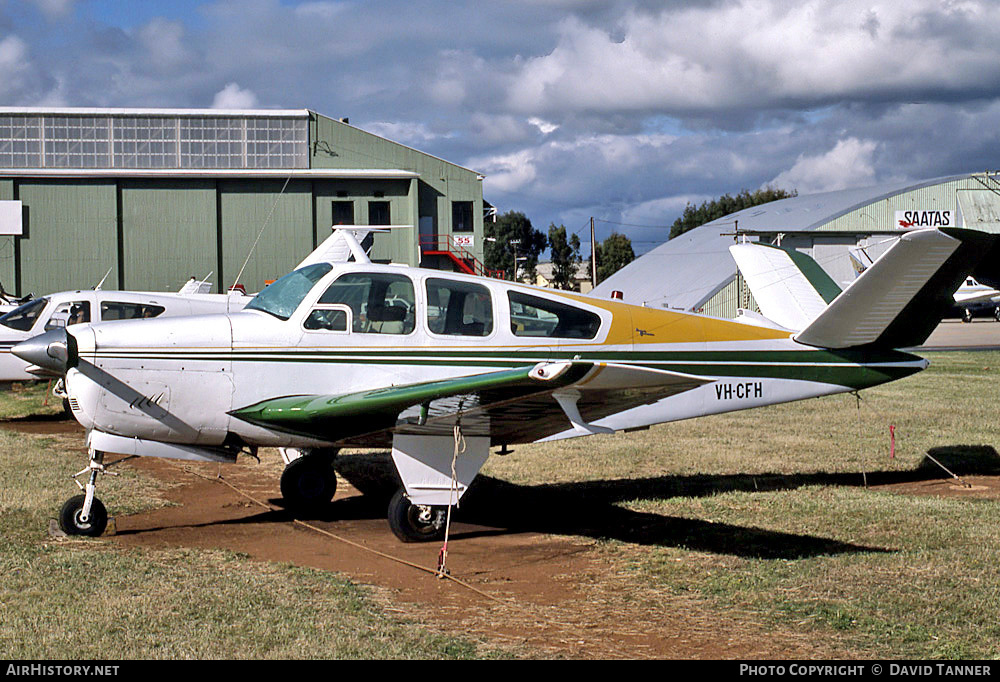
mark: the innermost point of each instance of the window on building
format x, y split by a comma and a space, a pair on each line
343, 213
461, 216
378, 213
534, 316
380, 303
459, 308
152, 141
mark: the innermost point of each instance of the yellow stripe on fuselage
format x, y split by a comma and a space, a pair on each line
641, 325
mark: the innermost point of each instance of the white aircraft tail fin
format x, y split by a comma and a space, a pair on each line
895, 303
790, 287
345, 242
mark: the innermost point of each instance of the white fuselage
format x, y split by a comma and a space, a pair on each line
175, 380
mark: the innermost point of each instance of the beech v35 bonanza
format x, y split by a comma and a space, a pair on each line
357, 354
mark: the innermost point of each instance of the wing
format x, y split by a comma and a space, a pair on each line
510, 406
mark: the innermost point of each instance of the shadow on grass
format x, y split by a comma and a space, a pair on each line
590, 508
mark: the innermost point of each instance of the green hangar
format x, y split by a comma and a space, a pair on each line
151, 197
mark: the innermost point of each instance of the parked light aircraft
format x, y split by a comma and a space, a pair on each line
36, 316
358, 354
76, 307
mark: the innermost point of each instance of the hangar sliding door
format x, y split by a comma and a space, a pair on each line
70, 236
283, 220
168, 233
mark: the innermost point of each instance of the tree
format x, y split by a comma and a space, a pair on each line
565, 256
723, 206
613, 254
512, 232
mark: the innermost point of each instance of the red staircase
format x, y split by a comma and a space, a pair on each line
465, 260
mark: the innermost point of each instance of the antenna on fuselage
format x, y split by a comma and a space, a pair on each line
101, 283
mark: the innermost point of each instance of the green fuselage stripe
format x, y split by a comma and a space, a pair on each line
852, 369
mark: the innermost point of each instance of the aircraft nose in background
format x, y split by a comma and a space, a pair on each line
54, 350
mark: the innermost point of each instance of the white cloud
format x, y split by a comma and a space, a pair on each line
849, 164
233, 97
762, 54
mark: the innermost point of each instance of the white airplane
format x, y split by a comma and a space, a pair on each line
441, 366
973, 297
67, 308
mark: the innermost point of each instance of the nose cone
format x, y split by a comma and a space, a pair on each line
54, 350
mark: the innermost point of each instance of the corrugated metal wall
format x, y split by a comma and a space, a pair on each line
168, 233
71, 235
287, 236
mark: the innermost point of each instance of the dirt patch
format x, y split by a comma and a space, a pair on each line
966, 487
560, 595
56, 424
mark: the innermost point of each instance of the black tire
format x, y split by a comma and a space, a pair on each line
996, 314
967, 316
308, 483
69, 517
67, 410
414, 523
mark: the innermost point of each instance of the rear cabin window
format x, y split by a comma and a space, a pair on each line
115, 310
540, 317
380, 303
459, 308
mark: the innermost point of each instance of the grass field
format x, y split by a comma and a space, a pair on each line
86, 600
771, 516
762, 513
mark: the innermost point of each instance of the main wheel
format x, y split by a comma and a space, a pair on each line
415, 522
967, 315
308, 483
71, 524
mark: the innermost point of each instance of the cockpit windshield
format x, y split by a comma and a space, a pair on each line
22, 318
283, 297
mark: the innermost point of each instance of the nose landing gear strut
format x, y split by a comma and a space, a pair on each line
85, 514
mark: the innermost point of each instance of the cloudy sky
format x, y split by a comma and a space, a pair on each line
622, 110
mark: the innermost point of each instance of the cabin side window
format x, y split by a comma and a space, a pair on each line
327, 318
380, 303
69, 313
540, 317
458, 308
115, 310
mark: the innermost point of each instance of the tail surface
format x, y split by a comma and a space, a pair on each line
895, 303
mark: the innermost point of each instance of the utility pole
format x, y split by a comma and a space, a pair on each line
593, 255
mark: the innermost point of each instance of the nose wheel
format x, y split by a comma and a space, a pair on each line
73, 520
85, 514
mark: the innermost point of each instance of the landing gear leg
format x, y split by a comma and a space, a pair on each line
85, 514
308, 482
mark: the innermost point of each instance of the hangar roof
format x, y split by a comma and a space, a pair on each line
688, 270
